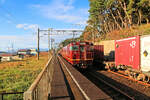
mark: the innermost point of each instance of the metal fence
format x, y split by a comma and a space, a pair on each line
41, 87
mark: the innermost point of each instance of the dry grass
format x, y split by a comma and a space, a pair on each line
18, 76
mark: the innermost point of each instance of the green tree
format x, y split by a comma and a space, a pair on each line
108, 15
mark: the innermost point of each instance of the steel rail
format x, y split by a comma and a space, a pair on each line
75, 81
110, 85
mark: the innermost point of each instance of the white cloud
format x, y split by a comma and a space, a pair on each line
21, 41
62, 10
27, 26
20, 25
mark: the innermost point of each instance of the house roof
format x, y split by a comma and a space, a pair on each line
6, 55
23, 50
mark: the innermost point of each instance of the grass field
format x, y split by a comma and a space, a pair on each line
18, 76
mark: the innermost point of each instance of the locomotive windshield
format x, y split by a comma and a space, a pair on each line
88, 48
74, 48
82, 48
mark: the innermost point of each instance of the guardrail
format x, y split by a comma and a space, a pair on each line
41, 87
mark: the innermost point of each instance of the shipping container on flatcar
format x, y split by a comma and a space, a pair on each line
134, 52
127, 52
145, 53
98, 53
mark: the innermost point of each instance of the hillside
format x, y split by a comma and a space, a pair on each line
118, 34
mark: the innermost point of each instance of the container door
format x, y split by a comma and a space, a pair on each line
145, 53
127, 52
134, 53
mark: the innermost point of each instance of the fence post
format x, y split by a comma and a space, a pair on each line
28, 95
1, 97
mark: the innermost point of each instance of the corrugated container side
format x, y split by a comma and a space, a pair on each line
127, 52
99, 52
145, 53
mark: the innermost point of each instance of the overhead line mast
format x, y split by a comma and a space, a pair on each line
54, 32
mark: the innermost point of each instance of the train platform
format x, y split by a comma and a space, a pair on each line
89, 88
59, 88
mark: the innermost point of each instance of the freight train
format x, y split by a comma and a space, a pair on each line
78, 54
132, 55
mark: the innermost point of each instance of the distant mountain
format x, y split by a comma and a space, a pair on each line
2, 52
42, 49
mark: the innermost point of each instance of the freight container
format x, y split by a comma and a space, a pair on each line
134, 52
145, 53
127, 52
98, 53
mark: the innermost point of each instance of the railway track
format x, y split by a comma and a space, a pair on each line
122, 74
127, 77
82, 88
107, 87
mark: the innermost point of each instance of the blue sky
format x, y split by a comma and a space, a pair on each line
20, 18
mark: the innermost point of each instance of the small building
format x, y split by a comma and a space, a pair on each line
18, 57
33, 51
6, 57
24, 52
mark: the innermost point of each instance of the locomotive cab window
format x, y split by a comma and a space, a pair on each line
90, 48
82, 48
74, 48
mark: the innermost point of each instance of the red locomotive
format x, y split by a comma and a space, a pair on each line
78, 53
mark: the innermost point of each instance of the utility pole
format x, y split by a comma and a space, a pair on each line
12, 47
52, 40
73, 36
49, 43
38, 44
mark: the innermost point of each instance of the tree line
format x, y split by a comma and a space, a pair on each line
108, 15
